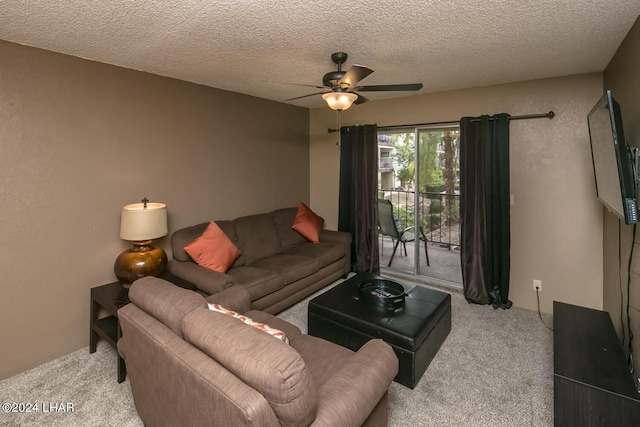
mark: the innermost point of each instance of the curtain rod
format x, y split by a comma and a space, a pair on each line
549, 115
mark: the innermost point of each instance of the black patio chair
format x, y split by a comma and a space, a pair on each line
388, 225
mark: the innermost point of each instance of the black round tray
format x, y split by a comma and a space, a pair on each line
382, 293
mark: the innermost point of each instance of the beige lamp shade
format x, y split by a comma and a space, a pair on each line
138, 222
339, 100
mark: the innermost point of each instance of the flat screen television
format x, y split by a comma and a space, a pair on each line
613, 161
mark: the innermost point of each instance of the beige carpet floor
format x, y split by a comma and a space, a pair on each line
494, 369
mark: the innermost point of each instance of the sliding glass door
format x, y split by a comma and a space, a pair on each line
438, 181
419, 175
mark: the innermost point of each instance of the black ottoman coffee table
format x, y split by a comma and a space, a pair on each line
415, 331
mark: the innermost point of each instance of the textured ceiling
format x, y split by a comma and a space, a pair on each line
255, 46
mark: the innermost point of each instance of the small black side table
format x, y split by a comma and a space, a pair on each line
110, 298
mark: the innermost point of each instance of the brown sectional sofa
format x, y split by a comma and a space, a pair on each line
189, 365
277, 266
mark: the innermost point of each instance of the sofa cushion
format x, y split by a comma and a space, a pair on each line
229, 229
323, 252
290, 267
257, 237
213, 249
165, 301
307, 223
269, 366
276, 333
257, 282
289, 238
183, 237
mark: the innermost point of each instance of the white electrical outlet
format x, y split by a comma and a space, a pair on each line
537, 285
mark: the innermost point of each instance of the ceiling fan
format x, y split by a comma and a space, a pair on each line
339, 87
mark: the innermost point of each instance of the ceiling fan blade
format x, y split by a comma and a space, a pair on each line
354, 75
361, 99
389, 88
303, 85
304, 96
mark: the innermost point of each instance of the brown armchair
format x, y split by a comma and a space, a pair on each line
189, 365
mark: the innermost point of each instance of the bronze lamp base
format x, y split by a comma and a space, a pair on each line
139, 261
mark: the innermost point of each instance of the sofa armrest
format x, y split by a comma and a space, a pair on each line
205, 279
352, 393
340, 237
234, 298
336, 236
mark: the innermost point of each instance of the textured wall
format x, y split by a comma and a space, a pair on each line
79, 140
555, 220
622, 77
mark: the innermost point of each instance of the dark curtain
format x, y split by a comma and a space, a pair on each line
358, 205
484, 209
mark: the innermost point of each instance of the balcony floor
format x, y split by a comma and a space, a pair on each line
444, 263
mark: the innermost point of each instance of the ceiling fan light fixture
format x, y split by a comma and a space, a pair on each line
339, 100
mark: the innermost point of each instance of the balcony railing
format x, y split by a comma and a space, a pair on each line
438, 213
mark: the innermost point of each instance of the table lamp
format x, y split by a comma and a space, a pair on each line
140, 223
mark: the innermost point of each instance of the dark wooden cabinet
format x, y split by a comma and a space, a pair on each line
592, 385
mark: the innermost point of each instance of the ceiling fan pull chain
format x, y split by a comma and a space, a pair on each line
338, 142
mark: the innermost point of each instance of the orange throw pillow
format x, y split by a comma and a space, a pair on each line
307, 223
213, 249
